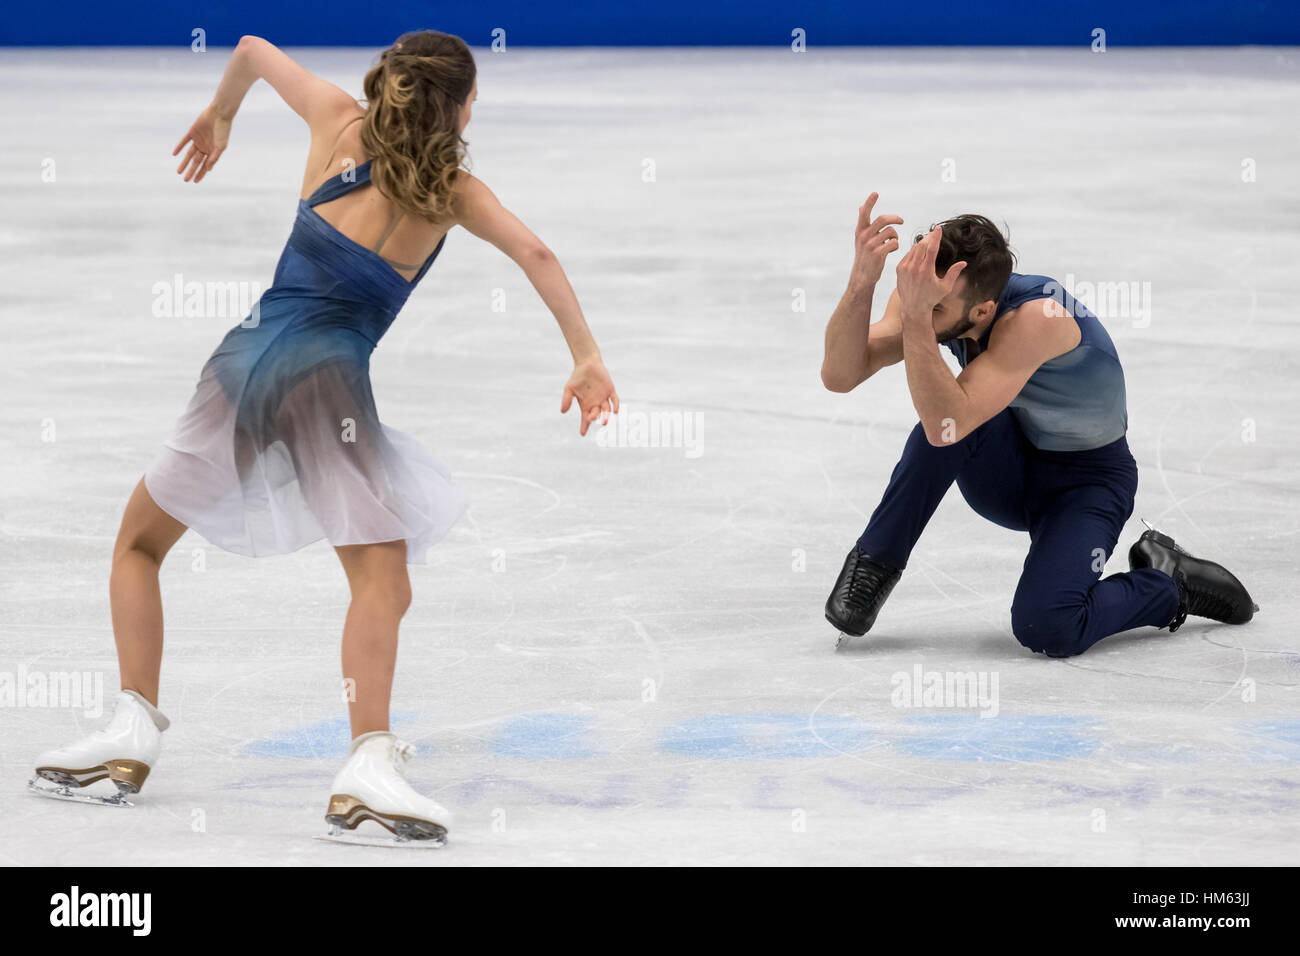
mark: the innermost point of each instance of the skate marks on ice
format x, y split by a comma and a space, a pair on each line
1237, 364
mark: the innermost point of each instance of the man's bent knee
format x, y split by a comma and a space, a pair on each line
1056, 632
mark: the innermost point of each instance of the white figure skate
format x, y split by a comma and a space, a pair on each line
124, 752
372, 786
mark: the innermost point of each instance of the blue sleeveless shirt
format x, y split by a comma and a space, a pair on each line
1076, 401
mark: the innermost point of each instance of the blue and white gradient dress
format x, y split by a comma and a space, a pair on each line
281, 444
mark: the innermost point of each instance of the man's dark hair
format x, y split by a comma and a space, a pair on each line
974, 239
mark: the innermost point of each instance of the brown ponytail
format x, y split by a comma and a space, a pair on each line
412, 126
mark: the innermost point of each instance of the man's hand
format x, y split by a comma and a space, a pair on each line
873, 241
850, 358
919, 289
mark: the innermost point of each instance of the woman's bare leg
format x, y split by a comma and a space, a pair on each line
146, 535
381, 593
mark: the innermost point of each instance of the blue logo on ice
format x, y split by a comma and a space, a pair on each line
325, 738
1277, 739
546, 736
1005, 738
765, 736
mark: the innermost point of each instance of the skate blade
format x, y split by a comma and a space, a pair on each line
842, 640
391, 841
346, 813
62, 791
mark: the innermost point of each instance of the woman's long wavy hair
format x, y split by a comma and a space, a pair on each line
412, 127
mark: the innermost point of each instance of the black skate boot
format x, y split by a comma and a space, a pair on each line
1205, 589
859, 593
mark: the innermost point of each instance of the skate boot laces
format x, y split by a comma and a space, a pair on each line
400, 753
864, 585
1208, 604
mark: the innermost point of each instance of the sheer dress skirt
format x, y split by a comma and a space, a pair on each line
281, 445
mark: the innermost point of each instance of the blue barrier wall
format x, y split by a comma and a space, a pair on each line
658, 22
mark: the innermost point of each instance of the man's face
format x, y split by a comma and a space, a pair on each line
952, 316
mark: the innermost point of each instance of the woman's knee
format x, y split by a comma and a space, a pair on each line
134, 549
377, 575
147, 532
384, 593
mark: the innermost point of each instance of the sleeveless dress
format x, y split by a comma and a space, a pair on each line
1076, 401
281, 443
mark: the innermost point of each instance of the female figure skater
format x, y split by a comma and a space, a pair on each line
281, 444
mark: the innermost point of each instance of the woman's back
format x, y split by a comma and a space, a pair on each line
366, 216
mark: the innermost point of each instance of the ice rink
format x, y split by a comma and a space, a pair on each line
619, 656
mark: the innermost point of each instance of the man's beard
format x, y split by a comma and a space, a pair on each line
958, 330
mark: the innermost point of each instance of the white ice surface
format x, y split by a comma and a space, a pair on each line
627, 573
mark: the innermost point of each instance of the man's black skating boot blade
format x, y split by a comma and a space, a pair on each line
1205, 589
859, 593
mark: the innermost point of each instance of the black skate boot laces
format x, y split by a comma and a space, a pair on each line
864, 586
1204, 603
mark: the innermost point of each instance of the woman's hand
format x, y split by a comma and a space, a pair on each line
591, 385
207, 139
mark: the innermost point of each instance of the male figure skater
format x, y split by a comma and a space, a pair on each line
1032, 431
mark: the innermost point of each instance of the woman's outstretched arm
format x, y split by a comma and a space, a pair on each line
323, 106
479, 211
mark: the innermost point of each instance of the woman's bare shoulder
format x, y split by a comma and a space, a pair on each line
472, 196
338, 149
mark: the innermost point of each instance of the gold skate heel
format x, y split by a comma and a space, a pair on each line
346, 812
